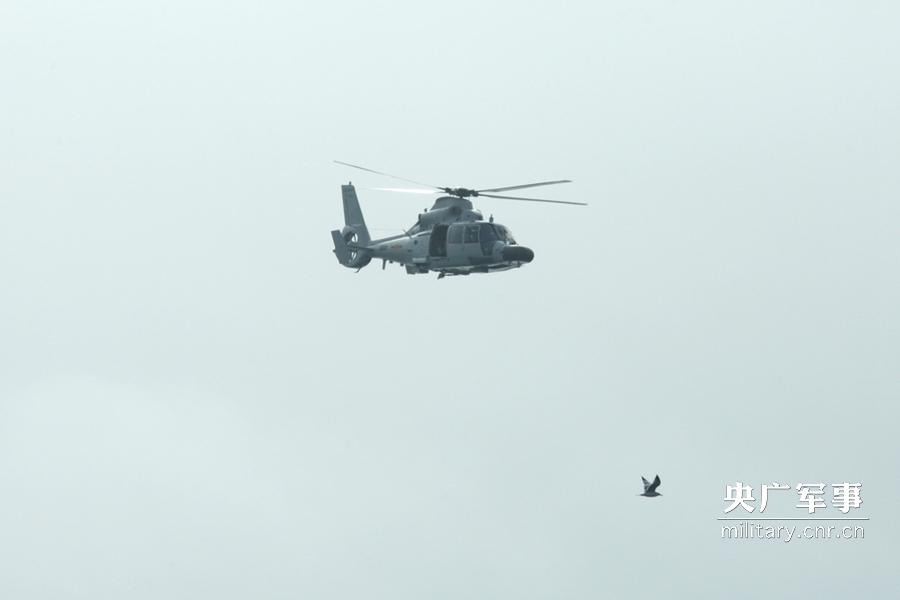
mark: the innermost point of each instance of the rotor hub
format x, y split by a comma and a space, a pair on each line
461, 192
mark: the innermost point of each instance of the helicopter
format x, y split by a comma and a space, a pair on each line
452, 238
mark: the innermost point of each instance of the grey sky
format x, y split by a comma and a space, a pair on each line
196, 400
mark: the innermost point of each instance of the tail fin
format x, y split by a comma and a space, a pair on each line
350, 242
353, 216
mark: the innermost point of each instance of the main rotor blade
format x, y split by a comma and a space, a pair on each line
527, 185
480, 195
386, 174
406, 190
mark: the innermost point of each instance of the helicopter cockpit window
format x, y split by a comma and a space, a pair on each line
488, 233
488, 237
505, 234
471, 234
456, 234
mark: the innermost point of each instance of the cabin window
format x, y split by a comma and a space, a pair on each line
456, 234
471, 234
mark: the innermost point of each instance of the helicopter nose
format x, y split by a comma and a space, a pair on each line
517, 254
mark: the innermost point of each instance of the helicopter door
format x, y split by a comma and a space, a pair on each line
437, 244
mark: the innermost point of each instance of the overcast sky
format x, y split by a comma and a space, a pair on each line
198, 401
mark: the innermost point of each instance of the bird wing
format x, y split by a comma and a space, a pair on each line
655, 484
646, 483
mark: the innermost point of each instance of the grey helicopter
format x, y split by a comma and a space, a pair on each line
452, 238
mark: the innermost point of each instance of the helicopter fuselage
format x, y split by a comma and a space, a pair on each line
450, 239
454, 249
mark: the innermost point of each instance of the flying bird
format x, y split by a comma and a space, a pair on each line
650, 488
